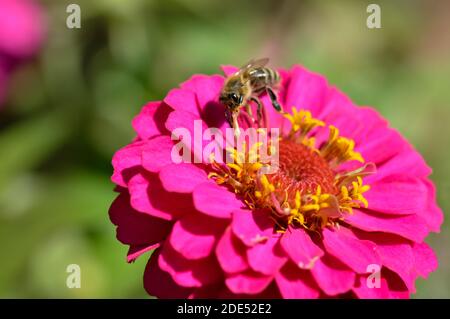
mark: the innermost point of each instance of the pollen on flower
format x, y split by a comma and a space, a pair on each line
354, 197
302, 121
307, 190
339, 149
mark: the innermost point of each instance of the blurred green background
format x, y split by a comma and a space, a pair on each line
70, 109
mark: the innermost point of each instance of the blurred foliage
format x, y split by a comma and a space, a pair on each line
70, 108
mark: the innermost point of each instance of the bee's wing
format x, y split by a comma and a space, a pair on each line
254, 64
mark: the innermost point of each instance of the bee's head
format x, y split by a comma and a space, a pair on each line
231, 99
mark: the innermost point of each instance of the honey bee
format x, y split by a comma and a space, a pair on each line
245, 86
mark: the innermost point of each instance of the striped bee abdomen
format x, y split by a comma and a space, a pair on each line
260, 78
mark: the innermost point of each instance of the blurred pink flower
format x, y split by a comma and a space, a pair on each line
22, 30
310, 230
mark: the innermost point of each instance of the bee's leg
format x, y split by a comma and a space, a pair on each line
258, 110
228, 117
273, 98
232, 119
235, 125
248, 108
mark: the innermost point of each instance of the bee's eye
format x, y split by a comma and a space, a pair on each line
234, 97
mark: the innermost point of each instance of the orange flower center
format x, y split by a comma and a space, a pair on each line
309, 189
302, 169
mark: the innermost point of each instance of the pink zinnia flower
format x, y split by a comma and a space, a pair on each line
351, 193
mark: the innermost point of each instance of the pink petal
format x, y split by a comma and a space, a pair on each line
295, 283
182, 178
126, 163
300, 248
182, 119
230, 253
397, 287
183, 100
373, 122
267, 257
284, 84
149, 122
208, 89
148, 196
332, 276
397, 194
205, 87
408, 226
425, 259
271, 292
395, 253
207, 292
135, 228
194, 236
248, 282
214, 200
213, 114
306, 90
355, 253
252, 227
400, 294
229, 69
340, 111
158, 283
186, 272
157, 153
363, 291
193, 128
408, 162
384, 145
432, 215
